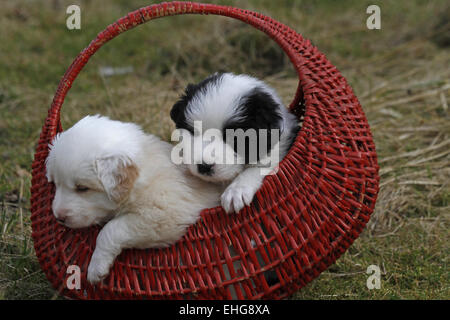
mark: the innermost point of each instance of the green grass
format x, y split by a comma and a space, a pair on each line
400, 74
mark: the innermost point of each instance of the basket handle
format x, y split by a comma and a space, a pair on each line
152, 12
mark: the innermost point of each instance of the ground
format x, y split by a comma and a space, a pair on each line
399, 73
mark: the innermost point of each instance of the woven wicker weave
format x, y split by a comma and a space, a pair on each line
309, 213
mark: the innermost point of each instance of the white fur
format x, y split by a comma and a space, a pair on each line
153, 211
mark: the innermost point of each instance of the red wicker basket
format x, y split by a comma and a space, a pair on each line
309, 213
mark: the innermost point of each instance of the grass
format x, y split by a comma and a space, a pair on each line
400, 74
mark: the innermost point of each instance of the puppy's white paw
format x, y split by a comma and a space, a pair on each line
236, 197
98, 269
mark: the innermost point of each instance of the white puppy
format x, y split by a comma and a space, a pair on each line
111, 172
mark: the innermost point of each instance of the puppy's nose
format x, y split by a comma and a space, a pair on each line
61, 215
205, 169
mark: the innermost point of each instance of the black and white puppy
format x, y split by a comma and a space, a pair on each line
237, 106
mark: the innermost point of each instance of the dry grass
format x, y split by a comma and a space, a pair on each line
400, 74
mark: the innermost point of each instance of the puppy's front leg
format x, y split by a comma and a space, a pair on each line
116, 235
241, 191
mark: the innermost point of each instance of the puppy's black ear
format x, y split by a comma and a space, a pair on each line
117, 175
178, 109
260, 111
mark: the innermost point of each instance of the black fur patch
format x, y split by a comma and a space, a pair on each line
260, 111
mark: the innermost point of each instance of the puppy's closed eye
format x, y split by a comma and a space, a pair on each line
81, 188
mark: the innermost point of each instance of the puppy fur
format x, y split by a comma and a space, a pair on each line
227, 101
110, 172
